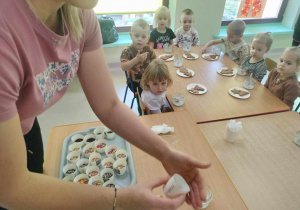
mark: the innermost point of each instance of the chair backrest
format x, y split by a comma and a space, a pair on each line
270, 64
129, 74
145, 109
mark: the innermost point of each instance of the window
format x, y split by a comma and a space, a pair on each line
254, 11
126, 12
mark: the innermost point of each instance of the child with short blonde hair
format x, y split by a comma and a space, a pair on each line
137, 56
162, 33
255, 63
155, 81
235, 47
186, 33
282, 81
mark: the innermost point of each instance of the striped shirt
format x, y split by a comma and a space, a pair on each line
259, 69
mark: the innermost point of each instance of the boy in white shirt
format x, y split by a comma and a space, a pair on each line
186, 33
235, 47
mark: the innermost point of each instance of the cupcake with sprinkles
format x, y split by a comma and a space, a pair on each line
108, 162
111, 150
101, 145
96, 181
89, 149
81, 179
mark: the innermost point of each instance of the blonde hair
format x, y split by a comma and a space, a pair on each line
72, 16
264, 38
162, 11
141, 23
73, 20
295, 51
157, 70
187, 12
237, 27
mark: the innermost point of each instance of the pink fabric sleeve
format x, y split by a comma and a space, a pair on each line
10, 74
93, 37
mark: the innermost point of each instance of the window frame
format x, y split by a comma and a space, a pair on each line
128, 28
264, 20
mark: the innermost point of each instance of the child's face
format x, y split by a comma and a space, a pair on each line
287, 64
139, 37
162, 22
232, 37
157, 87
258, 49
187, 22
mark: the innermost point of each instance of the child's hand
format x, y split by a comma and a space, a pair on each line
141, 57
204, 49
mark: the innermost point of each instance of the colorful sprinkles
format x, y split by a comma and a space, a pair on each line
74, 158
108, 165
95, 159
102, 145
93, 173
119, 167
97, 183
112, 151
121, 156
83, 181
88, 151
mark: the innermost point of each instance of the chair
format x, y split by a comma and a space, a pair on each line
129, 75
270, 64
142, 106
298, 106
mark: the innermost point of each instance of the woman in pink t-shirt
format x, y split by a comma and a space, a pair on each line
44, 45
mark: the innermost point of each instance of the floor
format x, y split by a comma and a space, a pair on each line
73, 107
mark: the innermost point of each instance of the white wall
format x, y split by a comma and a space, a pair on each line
208, 16
291, 13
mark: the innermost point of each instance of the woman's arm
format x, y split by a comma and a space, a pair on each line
98, 87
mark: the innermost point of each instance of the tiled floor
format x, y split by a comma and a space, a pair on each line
73, 107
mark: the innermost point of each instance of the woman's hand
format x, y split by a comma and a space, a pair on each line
140, 196
188, 168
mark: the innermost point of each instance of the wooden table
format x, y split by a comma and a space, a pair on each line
217, 104
264, 163
147, 168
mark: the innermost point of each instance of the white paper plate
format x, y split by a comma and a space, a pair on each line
227, 75
170, 59
190, 86
193, 54
237, 95
183, 75
205, 55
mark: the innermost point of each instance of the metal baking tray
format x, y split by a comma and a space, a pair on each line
127, 179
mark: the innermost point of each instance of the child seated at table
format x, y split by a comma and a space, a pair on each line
235, 47
255, 62
162, 34
282, 81
186, 33
154, 82
137, 56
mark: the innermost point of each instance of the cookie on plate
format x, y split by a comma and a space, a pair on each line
197, 87
189, 55
166, 57
183, 70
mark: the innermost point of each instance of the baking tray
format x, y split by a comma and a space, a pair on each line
127, 179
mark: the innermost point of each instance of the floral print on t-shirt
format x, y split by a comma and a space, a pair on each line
57, 76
